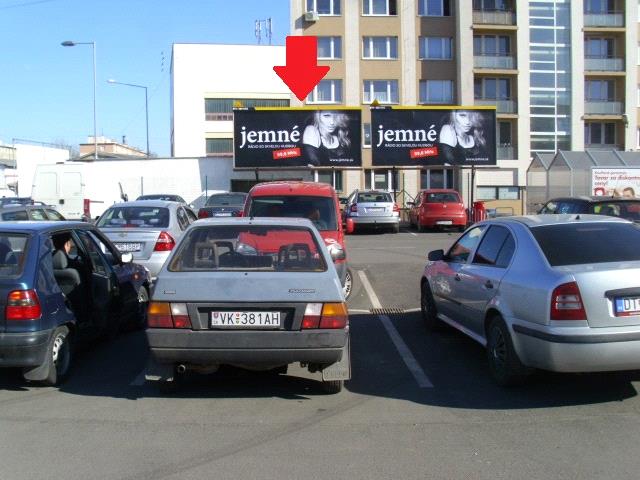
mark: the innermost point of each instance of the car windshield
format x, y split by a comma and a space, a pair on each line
248, 248
320, 210
583, 243
629, 210
442, 197
13, 249
371, 197
234, 199
135, 217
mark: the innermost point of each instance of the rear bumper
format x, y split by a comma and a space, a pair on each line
458, 221
24, 349
372, 221
208, 347
578, 350
153, 263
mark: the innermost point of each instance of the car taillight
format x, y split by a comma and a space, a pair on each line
327, 315
566, 303
354, 208
202, 213
396, 208
86, 208
23, 305
168, 315
164, 243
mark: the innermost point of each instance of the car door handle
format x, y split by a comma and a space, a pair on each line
488, 284
457, 278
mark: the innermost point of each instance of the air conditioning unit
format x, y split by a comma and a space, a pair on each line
311, 16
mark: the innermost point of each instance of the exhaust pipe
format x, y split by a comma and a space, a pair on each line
181, 368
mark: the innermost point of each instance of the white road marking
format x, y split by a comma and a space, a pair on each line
414, 234
409, 360
139, 380
359, 310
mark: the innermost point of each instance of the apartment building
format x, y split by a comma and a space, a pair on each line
563, 74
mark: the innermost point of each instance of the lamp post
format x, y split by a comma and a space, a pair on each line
69, 43
146, 103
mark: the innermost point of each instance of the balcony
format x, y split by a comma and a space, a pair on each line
603, 64
602, 146
603, 107
506, 152
502, 106
501, 62
494, 17
611, 19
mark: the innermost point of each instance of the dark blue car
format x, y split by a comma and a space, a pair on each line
62, 283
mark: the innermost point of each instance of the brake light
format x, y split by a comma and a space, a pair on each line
164, 243
202, 213
168, 315
86, 208
354, 208
328, 315
396, 208
312, 315
23, 305
566, 303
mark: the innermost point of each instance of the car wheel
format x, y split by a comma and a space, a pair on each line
396, 229
333, 386
143, 304
419, 226
504, 364
348, 284
428, 308
59, 357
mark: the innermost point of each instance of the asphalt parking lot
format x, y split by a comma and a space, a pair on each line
418, 406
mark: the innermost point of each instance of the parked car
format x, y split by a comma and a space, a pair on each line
437, 208
255, 293
229, 204
555, 292
149, 229
62, 283
12, 213
12, 201
316, 201
372, 209
167, 197
627, 208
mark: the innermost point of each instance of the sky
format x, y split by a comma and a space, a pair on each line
46, 90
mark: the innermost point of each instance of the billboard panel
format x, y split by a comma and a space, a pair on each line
296, 137
433, 136
616, 182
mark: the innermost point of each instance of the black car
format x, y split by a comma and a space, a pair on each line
167, 197
228, 204
627, 208
13, 213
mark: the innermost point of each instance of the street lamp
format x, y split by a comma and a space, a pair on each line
69, 43
146, 103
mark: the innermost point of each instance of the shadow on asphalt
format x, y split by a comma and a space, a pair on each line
455, 364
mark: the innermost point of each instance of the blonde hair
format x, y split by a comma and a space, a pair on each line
342, 120
476, 122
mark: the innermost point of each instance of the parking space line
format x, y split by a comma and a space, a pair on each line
413, 233
139, 380
408, 358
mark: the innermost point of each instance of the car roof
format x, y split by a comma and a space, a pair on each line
293, 188
146, 203
593, 199
372, 191
42, 226
440, 190
266, 221
532, 221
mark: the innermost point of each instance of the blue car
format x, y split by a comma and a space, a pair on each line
62, 283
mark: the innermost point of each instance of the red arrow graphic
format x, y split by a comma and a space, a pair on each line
302, 72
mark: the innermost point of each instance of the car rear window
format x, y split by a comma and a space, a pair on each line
135, 217
13, 249
248, 248
442, 197
582, 243
628, 210
226, 199
320, 210
371, 197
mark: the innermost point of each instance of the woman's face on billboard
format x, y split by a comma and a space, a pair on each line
463, 121
327, 121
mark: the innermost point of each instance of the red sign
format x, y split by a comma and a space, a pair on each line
423, 152
286, 153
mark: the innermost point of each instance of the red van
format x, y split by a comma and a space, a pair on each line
438, 208
315, 201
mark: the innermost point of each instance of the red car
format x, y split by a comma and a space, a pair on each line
438, 208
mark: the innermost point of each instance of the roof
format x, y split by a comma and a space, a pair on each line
293, 188
440, 190
545, 220
595, 198
266, 221
146, 203
41, 226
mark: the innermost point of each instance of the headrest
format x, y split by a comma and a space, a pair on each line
60, 261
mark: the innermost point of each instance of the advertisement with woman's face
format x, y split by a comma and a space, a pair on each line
297, 137
433, 136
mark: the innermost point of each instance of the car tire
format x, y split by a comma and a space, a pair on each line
332, 386
143, 304
428, 308
59, 357
505, 366
396, 229
419, 226
347, 288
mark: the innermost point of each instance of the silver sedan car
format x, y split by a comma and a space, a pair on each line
372, 209
554, 292
149, 229
259, 293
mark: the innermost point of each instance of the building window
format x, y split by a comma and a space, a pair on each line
436, 91
220, 109
324, 7
492, 88
327, 91
219, 146
366, 134
492, 45
599, 47
599, 6
599, 90
493, 5
504, 134
379, 7
381, 179
436, 48
597, 133
434, 8
384, 48
638, 138
329, 48
436, 178
332, 177
498, 193
385, 91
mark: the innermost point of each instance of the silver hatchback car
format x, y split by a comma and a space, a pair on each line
555, 292
149, 229
373, 209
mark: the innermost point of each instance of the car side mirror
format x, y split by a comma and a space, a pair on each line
436, 255
126, 257
350, 226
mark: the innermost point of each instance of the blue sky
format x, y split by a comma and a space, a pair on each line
46, 90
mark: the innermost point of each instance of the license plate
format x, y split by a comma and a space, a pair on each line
222, 214
376, 209
129, 247
245, 319
444, 222
628, 306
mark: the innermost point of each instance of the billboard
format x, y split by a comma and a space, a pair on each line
296, 137
616, 182
433, 136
